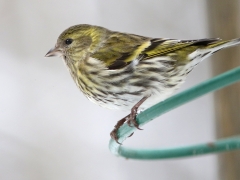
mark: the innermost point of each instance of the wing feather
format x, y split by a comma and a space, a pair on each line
121, 49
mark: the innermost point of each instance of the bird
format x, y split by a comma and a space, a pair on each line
125, 71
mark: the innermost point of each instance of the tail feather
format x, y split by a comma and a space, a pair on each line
218, 45
201, 54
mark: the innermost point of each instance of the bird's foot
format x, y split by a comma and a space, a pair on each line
113, 134
130, 119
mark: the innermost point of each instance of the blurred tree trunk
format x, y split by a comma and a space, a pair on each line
224, 22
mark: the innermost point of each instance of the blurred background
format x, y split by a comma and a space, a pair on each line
50, 131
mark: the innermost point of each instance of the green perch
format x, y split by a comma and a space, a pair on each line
227, 144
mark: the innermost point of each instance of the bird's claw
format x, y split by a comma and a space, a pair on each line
129, 119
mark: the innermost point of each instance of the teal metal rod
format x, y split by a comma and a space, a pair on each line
227, 144
213, 84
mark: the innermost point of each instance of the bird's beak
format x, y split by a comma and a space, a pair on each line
54, 52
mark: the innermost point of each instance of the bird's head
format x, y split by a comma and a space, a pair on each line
76, 42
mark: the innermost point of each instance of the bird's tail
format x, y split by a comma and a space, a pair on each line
221, 44
213, 46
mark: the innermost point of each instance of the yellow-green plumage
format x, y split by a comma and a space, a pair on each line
116, 70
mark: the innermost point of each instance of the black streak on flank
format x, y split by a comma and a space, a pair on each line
137, 93
101, 91
156, 70
171, 63
170, 85
94, 72
156, 79
141, 83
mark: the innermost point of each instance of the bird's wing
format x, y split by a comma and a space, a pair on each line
121, 49
176, 49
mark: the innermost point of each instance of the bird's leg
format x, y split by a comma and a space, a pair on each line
132, 116
113, 134
130, 119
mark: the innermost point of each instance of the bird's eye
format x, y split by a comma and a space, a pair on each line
68, 41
